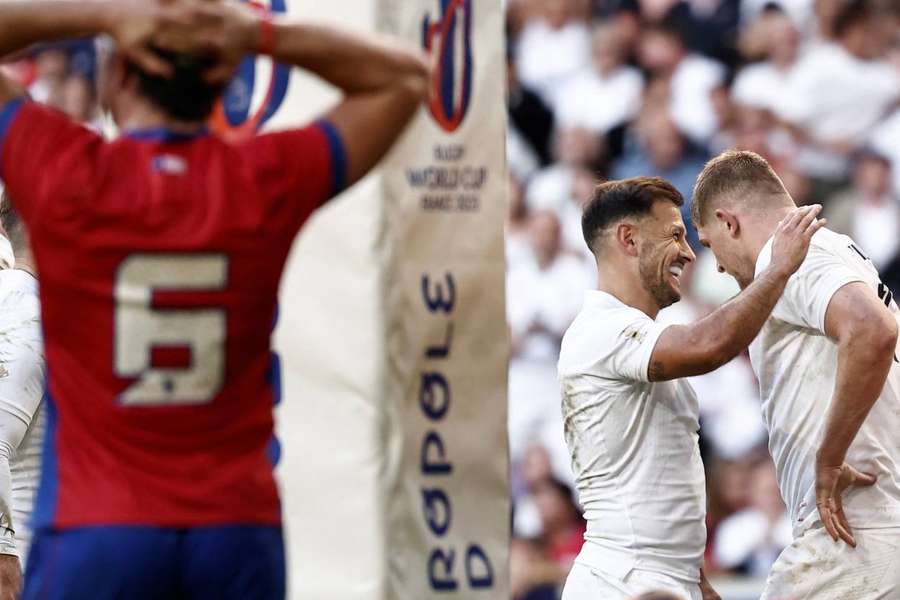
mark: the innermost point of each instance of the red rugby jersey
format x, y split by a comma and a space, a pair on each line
160, 256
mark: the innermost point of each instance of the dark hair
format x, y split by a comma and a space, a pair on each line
612, 201
852, 13
12, 225
186, 95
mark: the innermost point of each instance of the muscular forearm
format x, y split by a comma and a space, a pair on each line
355, 63
730, 329
706, 345
862, 370
24, 23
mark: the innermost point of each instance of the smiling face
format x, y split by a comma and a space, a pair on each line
663, 253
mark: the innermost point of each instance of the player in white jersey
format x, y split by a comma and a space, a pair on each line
22, 376
630, 421
830, 385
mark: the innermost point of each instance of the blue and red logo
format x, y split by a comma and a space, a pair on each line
237, 115
451, 38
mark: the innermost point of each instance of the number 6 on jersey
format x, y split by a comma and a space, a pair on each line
142, 329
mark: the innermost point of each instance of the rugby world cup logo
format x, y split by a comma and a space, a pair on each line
449, 41
256, 92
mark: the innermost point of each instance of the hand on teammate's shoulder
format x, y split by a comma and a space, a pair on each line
792, 238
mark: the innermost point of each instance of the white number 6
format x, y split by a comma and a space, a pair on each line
139, 328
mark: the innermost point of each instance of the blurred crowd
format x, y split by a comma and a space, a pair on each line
62, 76
607, 89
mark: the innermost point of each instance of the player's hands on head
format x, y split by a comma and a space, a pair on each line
792, 237
831, 482
10, 577
224, 30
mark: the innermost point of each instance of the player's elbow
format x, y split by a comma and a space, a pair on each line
416, 77
874, 337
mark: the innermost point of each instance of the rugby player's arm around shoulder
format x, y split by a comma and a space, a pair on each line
383, 83
704, 346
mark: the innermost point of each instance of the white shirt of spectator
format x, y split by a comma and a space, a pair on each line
22, 423
796, 364
634, 445
592, 101
548, 57
759, 85
886, 139
691, 103
837, 96
878, 225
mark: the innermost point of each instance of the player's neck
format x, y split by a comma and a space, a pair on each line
760, 234
628, 290
25, 262
141, 115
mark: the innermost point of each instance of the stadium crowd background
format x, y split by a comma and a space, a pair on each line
617, 88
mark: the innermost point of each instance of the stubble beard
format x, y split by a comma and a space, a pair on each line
654, 281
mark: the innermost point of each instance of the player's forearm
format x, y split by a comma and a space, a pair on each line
706, 345
864, 361
24, 23
355, 63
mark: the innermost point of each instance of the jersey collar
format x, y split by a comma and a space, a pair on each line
161, 134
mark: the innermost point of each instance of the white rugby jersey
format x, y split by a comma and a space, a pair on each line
633, 444
22, 376
796, 364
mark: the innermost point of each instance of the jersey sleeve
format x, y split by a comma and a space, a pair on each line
44, 155
619, 345
809, 291
299, 169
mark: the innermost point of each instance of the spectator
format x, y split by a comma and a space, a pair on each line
518, 242
868, 212
574, 148
561, 523
758, 86
692, 79
657, 147
529, 116
543, 296
559, 28
749, 541
605, 95
838, 91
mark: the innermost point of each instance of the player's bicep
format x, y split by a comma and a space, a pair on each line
855, 310
679, 352
368, 124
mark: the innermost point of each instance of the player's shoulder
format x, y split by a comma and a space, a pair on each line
598, 327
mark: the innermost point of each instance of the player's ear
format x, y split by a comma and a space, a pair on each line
729, 221
625, 238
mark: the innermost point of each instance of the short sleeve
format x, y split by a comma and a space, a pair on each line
633, 348
43, 155
809, 291
301, 168
613, 344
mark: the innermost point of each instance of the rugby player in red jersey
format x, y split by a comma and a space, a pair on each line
160, 255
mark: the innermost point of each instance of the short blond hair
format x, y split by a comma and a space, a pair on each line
737, 176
